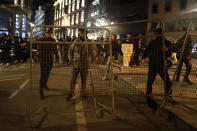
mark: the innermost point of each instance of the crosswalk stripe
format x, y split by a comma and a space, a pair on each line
8, 76
80, 116
19, 89
10, 79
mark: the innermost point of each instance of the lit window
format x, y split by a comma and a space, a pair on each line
88, 24
72, 22
72, 33
77, 18
63, 4
23, 35
82, 3
17, 32
82, 16
69, 9
24, 23
92, 14
73, 6
78, 3
17, 21
17, 15
66, 2
76, 32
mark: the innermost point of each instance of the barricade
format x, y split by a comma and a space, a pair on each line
58, 75
132, 80
109, 76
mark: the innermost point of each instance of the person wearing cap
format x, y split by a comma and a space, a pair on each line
155, 51
46, 52
186, 58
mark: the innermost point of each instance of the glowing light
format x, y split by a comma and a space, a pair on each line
101, 22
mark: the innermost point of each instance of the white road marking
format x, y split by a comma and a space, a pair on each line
12, 76
10, 79
19, 89
80, 116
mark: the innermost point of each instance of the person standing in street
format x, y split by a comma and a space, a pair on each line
136, 52
46, 52
78, 56
156, 65
186, 58
6, 45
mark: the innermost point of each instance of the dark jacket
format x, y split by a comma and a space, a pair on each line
154, 51
47, 50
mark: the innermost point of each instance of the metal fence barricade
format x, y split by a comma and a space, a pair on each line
116, 69
53, 76
181, 66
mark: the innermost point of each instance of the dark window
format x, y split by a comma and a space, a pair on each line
155, 8
168, 5
183, 4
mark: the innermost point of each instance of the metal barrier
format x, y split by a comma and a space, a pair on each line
132, 80
125, 81
94, 74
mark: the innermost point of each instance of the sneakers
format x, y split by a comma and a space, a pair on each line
70, 96
188, 81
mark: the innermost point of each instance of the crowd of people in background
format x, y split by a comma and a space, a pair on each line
13, 49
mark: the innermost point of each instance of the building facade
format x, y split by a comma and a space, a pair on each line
177, 14
15, 17
69, 13
44, 16
108, 12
